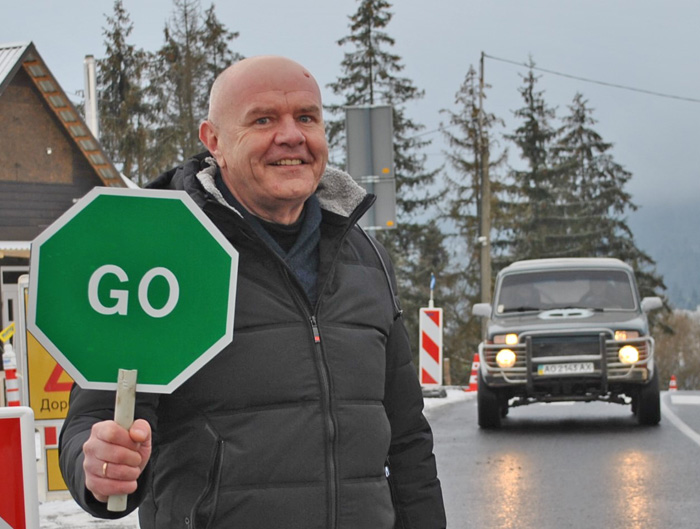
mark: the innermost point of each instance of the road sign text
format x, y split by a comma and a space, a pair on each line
122, 296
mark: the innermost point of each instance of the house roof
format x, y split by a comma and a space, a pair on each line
14, 56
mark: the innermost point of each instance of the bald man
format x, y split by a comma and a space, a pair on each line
311, 417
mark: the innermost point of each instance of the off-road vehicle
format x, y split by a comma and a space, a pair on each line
571, 329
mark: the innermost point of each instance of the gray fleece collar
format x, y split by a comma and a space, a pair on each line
337, 192
207, 177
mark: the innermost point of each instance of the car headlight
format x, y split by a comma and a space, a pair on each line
508, 339
505, 358
621, 336
628, 354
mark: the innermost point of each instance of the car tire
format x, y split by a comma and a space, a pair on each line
488, 406
649, 402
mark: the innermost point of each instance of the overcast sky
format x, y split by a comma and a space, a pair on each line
643, 44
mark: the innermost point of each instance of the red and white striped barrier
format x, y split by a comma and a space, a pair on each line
430, 351
19, 503
9, 364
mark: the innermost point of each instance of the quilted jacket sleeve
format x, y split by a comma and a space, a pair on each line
415, 487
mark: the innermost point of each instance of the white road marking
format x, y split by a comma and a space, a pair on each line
678, 423
685, 399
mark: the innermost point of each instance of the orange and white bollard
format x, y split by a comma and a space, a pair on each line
473, 384
673, 384
9, 364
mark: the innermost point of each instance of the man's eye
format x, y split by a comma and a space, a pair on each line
262, 121
306, 119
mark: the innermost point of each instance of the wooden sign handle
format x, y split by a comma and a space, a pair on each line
124, 417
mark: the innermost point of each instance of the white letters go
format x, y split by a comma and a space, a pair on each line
122, 296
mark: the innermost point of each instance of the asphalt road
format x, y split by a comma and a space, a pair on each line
554, 466
558, 466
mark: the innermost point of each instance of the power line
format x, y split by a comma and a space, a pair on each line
603, 83
439, 129
577, 78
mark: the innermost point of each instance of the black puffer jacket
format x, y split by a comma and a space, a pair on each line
296, 423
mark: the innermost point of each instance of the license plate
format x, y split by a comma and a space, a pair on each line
565, 369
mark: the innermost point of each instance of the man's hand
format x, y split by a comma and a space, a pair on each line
115, 457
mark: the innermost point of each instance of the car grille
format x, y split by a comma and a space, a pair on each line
561, 345
565, 346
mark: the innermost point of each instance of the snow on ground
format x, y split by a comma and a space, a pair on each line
454, 394
66, 514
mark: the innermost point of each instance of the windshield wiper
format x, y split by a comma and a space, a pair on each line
574, 307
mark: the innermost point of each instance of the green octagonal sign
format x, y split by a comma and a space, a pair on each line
135, 280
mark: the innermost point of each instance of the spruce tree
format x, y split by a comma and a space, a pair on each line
570, 201
534, 202
124, 110
195, 51
216, 39
369, 71
371, 76
471, 146
594, 182
598, 200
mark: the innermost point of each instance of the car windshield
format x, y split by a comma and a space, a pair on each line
558, 289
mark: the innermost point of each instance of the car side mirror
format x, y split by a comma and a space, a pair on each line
481, 309
651, 303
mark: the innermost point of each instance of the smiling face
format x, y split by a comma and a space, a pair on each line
266, 132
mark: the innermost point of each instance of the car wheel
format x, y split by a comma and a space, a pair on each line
649, 402
488, 406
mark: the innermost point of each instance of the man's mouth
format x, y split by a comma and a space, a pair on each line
288, 161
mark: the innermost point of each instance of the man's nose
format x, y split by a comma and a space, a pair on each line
289, 133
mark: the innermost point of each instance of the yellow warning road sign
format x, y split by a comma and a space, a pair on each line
49, 384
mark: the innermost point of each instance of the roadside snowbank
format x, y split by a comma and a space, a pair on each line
454, 394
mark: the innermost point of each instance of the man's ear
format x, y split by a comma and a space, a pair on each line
210, 138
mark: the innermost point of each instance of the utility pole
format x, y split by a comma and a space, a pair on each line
485, 232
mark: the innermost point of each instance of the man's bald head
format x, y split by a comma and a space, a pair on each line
257, 74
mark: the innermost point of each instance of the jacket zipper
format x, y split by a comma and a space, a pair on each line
326, 404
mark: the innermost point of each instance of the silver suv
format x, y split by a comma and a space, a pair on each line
570, 329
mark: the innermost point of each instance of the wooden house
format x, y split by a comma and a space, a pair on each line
48, 160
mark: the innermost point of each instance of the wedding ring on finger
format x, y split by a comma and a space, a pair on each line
104, 469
